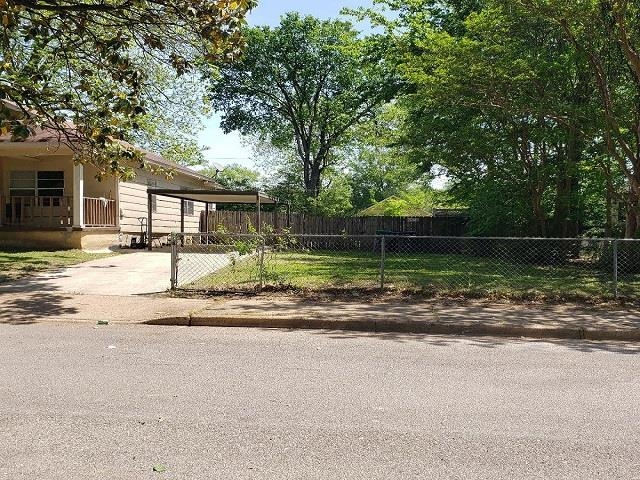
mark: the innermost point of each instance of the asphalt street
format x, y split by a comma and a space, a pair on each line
80, 401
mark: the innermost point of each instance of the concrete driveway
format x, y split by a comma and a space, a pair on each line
121, 288
135, 273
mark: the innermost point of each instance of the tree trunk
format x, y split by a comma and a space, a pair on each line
534, 162
633, 215
566, 185
312, 183
539, 226
608, 228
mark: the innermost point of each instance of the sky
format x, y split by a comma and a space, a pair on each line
227, 149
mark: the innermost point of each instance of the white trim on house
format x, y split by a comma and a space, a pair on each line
78, 196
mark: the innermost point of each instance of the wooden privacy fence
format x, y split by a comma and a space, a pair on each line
298, 223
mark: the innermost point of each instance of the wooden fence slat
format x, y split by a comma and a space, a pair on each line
239, 222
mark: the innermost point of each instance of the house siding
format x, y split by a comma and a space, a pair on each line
106, 187
166, 219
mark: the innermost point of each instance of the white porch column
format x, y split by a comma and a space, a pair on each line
78, 196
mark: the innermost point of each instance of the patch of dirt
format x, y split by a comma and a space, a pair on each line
448, 298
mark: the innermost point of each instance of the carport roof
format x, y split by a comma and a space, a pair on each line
215, 196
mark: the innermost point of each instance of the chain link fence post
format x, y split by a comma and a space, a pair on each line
174, 261
261, 260
382, 261
615, 268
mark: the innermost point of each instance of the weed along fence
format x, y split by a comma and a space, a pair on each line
502, 267
246, 222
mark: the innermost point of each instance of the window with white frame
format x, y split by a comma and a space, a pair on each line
188, 207
22, 183
50, 184
47, 184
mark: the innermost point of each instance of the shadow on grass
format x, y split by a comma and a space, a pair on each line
17, 263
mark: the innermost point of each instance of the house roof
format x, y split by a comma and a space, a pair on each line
50, 136
44, 136
163, 162
373, 210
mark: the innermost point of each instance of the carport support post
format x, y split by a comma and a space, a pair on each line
182, 219
206, 222
149, 221
182, 215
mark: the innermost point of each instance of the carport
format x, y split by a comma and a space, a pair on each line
251, 197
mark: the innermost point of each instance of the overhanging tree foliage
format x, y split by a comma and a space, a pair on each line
607, 34
502, 98
531, 105
306, 84
84, 60
175, 107
513, 91
378, 166
237, 177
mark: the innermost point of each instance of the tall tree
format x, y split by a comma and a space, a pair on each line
607, 34
501, 99
378, 165
237, 177
175, 108
79, 60
305, 83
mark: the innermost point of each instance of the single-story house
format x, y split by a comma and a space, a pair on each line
47, 201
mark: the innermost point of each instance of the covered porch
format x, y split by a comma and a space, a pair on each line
42, 188
57, 212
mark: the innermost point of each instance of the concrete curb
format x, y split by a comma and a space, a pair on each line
400, 326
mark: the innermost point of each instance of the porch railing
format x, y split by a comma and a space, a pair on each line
42, 212
99, 212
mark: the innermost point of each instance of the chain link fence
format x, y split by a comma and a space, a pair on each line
480, 266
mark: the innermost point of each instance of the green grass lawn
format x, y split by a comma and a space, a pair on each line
438, 273
16, 263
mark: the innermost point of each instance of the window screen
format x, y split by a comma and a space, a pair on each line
188, 207
28, 183
50, 184
22, 183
